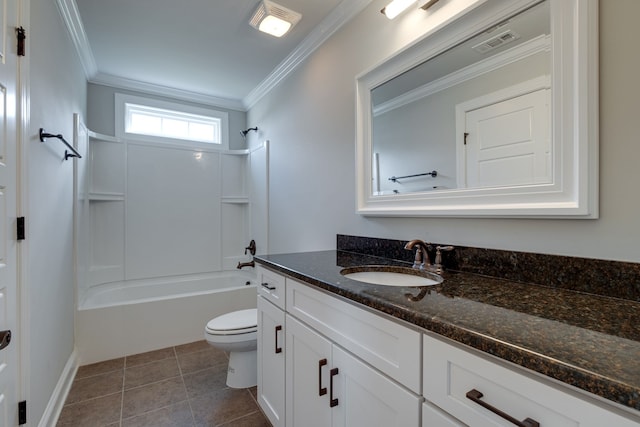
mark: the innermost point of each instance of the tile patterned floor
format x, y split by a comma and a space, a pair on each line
181, 386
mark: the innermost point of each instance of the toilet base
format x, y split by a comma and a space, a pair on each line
243, 369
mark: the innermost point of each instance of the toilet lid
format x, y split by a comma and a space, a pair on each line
241, 321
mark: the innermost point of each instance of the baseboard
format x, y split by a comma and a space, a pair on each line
59, 395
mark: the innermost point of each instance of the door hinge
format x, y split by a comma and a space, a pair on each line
22, 412
466, 135
22, 36
20, 228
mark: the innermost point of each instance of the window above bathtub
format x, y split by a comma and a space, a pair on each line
154, 121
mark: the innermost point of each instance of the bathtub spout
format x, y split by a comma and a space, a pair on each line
246, 264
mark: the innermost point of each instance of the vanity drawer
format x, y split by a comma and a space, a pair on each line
386, 345
271, 286
453, 375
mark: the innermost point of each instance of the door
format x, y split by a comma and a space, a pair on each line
308, 363
8, 187
368, 398
509, 142
271, 355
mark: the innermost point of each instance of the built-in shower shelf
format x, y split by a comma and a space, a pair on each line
235, 200
105, 197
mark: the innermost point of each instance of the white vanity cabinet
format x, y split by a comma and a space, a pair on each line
307, 376
271, 346
384, 344
473, 389
327, 386
326, 362
271, 361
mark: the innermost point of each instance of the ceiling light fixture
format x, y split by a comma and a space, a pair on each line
396, 7
274, 19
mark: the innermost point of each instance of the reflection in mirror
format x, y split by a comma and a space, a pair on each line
478, 114
500, 101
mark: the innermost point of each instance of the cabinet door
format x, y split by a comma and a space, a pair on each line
307, 364
364, 397
271, 355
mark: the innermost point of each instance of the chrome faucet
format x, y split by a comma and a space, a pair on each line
422, 256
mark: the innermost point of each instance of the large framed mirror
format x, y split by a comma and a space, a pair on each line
493, 115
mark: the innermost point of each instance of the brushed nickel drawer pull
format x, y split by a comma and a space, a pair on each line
321, 390
266, 285
332, 402
475, 396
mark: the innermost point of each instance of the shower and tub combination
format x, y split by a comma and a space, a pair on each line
121, 319
160, 231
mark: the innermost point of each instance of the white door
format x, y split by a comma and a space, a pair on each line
271, 355
367, 398
8, 243
308, 363
509, 142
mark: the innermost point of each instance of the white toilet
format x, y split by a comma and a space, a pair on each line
237, 333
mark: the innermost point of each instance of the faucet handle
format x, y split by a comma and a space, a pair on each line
251, 248
437, 264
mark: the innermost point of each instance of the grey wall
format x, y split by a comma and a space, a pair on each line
58, 90
101, 112
309, 119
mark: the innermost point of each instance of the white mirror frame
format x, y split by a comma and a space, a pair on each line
573, 192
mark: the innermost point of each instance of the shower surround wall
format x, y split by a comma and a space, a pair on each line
159, 210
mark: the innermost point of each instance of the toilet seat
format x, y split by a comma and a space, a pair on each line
235, 323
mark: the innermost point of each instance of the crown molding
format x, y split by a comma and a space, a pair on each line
333, 22
71, 17
165, 91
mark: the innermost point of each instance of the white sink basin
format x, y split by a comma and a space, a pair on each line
392, 276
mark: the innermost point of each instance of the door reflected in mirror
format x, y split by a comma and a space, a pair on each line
478, 114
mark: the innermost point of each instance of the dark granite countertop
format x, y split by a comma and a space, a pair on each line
588, 341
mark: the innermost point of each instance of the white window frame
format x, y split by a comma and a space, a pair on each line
121, 101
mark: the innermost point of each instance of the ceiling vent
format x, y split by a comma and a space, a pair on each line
274, 19
497, 41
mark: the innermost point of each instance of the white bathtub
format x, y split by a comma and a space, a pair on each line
119, 319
